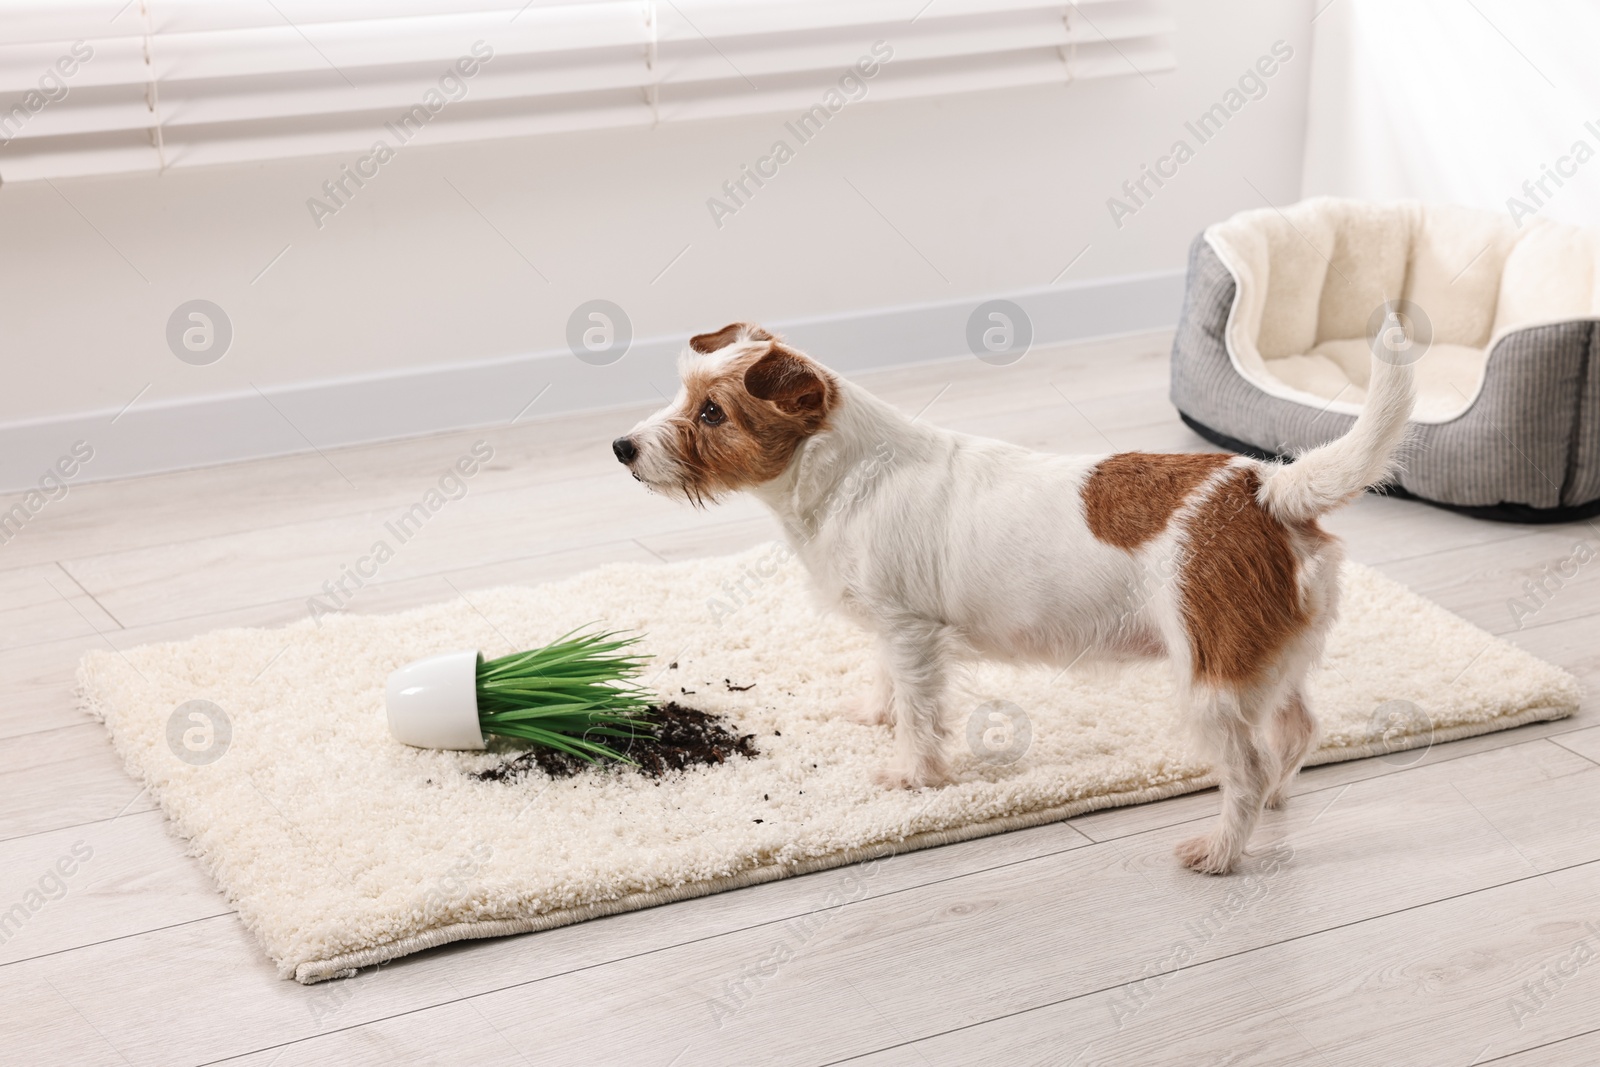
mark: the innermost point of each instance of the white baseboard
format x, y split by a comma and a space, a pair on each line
151, 437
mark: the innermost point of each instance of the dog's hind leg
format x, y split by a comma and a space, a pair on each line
919, 654
1230, 722
1294, 731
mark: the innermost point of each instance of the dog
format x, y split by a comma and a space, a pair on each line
948, 548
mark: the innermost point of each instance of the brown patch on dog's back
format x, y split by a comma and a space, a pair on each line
1131, 496
1239, 587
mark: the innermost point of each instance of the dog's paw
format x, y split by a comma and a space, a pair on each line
926, 775
1277, 800
1201, 854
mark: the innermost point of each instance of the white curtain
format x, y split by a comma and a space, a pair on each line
1474, 102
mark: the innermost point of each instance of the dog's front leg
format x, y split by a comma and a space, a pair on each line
917, 658
876, 707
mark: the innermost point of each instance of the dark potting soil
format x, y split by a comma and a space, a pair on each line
681, 737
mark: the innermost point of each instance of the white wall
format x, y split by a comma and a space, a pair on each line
991, 193
1461, 103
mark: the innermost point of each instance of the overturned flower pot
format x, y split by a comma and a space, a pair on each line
433, 702
577, 695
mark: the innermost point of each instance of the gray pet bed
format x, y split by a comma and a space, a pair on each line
1273, 349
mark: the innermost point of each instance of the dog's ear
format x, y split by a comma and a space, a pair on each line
792, 382
706, 343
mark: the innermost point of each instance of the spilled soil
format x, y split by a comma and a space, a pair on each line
681, 737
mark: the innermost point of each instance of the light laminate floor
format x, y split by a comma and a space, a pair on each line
1441, 908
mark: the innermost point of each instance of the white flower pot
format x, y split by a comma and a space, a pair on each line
433, 703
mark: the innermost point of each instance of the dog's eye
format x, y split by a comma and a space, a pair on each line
712, 415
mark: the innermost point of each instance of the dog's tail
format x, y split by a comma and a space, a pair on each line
1325, 477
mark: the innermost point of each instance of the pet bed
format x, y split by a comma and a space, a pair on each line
1272, 352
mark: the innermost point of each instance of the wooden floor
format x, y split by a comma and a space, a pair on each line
1437, 908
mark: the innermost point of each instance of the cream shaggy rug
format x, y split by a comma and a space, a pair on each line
342, 848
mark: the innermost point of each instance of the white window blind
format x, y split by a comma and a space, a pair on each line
111, 86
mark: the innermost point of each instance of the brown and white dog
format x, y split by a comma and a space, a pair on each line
949, 548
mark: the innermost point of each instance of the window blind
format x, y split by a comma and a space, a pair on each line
106, 86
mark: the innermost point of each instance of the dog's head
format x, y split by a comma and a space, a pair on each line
746, 403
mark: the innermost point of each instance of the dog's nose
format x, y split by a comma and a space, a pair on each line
625, 449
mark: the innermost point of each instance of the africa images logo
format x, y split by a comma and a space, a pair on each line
451, 87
